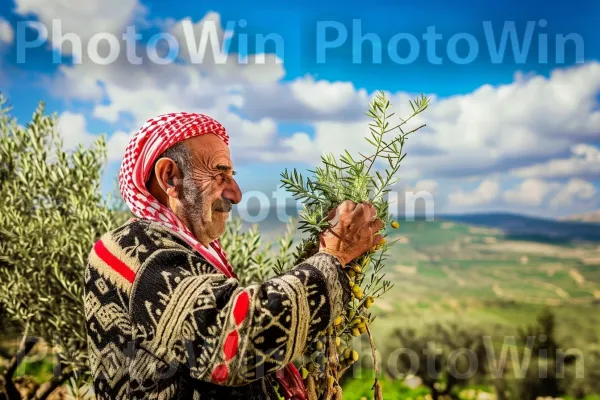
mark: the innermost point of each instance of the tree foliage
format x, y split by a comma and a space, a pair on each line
252, 259
445, 357
51, 213
548, 372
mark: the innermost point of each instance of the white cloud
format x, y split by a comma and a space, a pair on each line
138, 92
327, 138
323, 96
421, 196
531, 192
116, 145
76, 83
84, 18
575, 190
204, 45
72, 128
6, 32
584, 162
485, 193
427, 185
188, 33
334, 137
419, 188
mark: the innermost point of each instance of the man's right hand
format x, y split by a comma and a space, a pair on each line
354, 231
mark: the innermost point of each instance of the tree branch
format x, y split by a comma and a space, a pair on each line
376, 386
392, 142
25, 347
47, 388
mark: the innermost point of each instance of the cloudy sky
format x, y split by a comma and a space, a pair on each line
514, 122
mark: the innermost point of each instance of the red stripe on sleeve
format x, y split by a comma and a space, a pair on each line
113, 262
220, 373
230, 347
240, 309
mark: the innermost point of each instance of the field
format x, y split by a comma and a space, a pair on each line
451, 270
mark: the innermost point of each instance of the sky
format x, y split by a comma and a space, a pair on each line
513, 124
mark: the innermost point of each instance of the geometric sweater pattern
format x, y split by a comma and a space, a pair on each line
162, 323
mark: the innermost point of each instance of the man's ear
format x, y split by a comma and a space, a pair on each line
168, 176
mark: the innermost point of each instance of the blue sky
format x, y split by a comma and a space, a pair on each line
507, 130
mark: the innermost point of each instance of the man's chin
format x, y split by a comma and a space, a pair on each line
220, 227
220, 219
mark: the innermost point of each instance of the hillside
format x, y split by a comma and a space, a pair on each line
513, 226
482, 275
593, 216
522, 227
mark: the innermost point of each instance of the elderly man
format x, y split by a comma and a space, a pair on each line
166, 316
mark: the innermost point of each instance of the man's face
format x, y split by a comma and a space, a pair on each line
209, 189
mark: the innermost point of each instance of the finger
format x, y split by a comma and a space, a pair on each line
347, 205
322, 243
334, 214
331, 214
359, 211
369, 205
370, 211
377, 224
376, 240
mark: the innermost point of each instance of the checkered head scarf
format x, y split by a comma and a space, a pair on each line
146, 145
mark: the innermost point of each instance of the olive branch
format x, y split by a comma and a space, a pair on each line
358, 179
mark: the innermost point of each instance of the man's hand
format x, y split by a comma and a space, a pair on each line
354, 231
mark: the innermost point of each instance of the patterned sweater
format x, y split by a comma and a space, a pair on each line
162, 323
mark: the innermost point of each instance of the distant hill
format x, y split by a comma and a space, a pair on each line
532, 228
515, 226
593, 216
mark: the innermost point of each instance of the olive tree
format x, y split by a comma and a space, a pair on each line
51, 213
446, 357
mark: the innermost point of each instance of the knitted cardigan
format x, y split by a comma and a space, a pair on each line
162, 323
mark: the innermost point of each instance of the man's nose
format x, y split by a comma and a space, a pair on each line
232, 192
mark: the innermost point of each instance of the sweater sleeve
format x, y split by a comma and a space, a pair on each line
189, 316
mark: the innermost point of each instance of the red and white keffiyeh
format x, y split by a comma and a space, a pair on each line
147, 144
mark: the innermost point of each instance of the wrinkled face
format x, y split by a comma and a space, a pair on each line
208, 189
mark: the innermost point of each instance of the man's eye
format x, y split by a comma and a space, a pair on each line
224, 177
